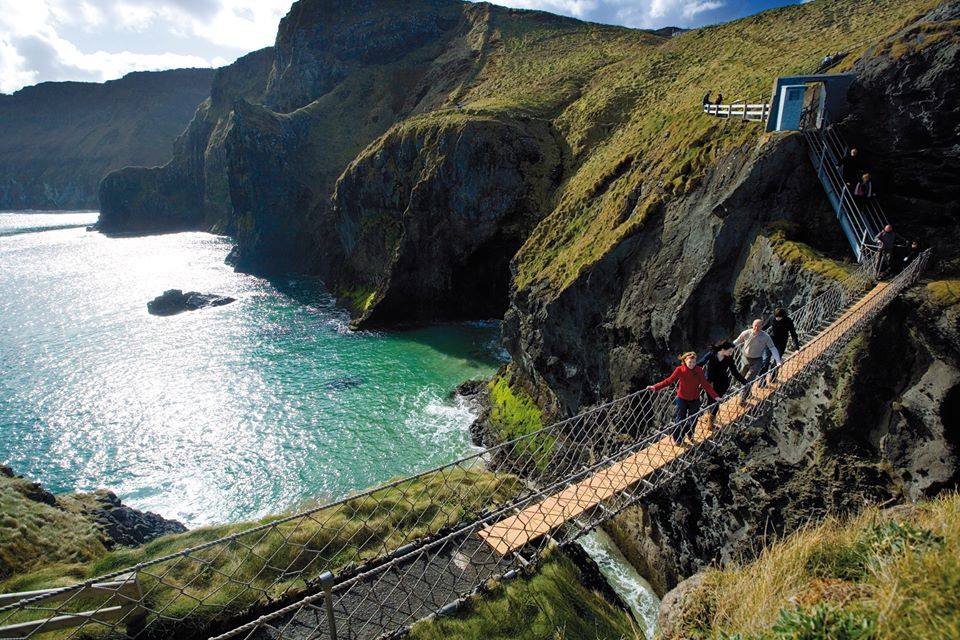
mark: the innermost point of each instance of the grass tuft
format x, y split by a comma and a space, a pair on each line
876, 576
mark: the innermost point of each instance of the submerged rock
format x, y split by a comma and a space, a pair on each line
174, 301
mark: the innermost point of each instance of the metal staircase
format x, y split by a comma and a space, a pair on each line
861, 220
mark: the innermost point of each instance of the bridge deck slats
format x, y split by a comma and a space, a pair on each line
543, 517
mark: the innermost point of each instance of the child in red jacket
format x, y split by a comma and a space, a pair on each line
690, 377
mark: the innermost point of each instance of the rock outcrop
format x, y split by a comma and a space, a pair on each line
429, 217
58, 139
122, 525
343, 152
174, 301
41, 528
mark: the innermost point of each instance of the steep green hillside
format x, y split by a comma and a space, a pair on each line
58, 139
639, 140
34, 533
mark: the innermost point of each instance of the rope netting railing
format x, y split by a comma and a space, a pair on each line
377, 561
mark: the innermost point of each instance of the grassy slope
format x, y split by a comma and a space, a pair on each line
551, 605
34, 534
363, 527
627, 104
875, 577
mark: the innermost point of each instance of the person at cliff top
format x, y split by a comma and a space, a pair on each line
718, 365
850, 168
888, 240
755, 342
706, 98
690, 379
719, 99
780, 327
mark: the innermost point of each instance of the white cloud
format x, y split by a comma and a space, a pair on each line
100, 40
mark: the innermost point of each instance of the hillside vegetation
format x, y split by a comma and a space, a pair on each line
53, 549
637, 138
879, 576
35, 533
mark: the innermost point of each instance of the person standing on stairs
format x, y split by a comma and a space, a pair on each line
755, 342
690, 379
718, 365
780, 327
850, 169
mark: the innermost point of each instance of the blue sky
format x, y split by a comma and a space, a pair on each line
97, 40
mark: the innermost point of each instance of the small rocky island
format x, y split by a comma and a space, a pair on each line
174, 301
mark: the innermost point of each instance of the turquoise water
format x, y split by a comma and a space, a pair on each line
217, 415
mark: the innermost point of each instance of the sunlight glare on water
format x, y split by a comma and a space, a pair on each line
216, 415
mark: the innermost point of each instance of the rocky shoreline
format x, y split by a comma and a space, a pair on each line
119, 524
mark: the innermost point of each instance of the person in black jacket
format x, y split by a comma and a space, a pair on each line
719, 364
851, 169
781, 327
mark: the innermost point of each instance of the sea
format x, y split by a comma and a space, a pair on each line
220, 415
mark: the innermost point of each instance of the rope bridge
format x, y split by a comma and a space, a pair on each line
371, 564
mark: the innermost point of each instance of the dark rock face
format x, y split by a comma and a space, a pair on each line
262, 156
189, 192
125, 526
429, 217
698, 272
174, 301
58, 139
907, 122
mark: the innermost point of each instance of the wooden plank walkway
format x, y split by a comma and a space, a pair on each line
543, 517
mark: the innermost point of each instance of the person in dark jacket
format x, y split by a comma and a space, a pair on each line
850, 169
888, 239
781, 327
913, 252
706, 99
689, 379
719, 100
718, 365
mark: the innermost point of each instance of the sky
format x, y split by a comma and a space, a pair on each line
98, 40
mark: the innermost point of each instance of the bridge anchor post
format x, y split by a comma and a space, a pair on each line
326, 582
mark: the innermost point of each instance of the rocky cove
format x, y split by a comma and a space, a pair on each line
427, 163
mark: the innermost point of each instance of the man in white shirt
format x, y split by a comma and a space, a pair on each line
755, 341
